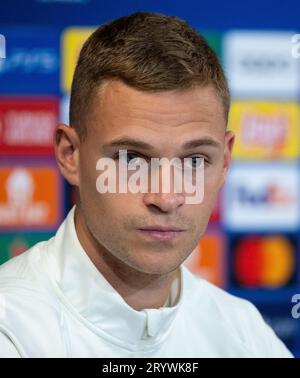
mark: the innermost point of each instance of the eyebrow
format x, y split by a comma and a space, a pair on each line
129, 142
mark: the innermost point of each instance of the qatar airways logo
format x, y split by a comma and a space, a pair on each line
143, 176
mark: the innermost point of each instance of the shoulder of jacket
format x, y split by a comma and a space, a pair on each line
24, 281
27, 267
30, 309
240, 316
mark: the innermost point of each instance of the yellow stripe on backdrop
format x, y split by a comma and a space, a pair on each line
71, 43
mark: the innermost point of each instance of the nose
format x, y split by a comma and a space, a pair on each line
165, 202
166, 199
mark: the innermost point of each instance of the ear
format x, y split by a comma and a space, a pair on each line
228, 146
66, 148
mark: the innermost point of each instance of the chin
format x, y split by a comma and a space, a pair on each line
156, 264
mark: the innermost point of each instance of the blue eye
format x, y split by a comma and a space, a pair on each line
194, 161
132, 158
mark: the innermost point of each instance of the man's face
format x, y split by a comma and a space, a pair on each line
165, 121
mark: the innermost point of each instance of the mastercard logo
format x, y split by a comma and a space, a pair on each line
264, 261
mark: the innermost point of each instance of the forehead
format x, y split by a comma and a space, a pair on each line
118, 108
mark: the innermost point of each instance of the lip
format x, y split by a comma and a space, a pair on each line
161, 228
161, 233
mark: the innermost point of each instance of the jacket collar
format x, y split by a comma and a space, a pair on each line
90, 294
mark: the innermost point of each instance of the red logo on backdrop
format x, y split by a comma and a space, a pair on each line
26, 125
264, 261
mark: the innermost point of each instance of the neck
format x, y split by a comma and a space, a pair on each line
139, 290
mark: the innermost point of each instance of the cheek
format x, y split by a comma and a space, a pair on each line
88, 175
211, 190
212, 179
114, 208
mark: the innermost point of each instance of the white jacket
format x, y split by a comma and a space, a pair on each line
55, 303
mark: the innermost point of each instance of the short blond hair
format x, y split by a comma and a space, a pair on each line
147, 51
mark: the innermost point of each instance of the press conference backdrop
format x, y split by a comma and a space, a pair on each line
251, 247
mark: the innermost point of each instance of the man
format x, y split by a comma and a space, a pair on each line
111, 282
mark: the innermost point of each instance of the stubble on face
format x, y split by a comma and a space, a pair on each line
112, 220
